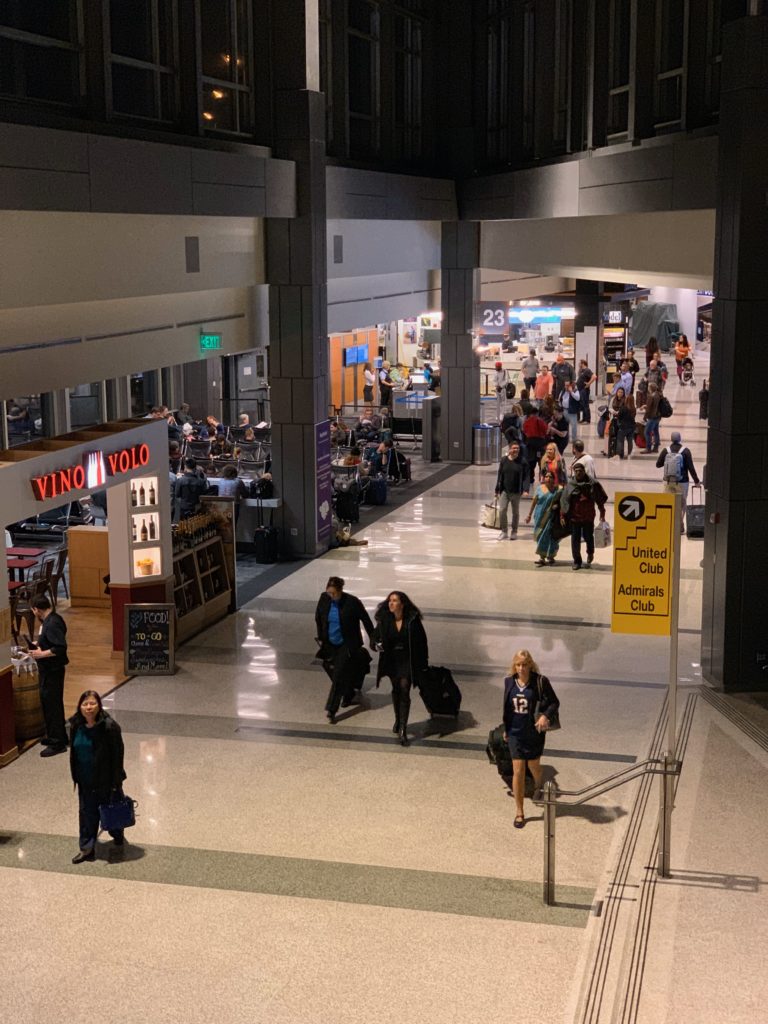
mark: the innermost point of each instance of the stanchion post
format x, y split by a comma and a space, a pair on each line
665, 815
667, 779
550, 819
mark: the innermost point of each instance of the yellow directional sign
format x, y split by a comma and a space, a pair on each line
643, 556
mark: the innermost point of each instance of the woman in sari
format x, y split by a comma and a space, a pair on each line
544, 508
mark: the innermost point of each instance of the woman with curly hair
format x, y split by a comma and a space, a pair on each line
404, 653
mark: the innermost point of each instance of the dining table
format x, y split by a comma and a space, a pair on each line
18, 552
19, 565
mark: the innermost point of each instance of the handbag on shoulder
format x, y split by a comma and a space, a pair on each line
554, 716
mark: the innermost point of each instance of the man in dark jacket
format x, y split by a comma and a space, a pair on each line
577, 504
51, 657
510, 484
188, 490
338, 618
562, 371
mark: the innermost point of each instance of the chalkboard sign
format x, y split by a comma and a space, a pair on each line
149, 639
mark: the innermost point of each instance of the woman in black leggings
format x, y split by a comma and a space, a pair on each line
404, 653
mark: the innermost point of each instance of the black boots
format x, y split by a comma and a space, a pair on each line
401, 722
396, 706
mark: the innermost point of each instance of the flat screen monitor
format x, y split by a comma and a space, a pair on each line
350, 356
362, 354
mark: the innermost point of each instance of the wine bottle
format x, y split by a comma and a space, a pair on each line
133, 528
152, 531
133, 494
152, 493
144, 534
142, 495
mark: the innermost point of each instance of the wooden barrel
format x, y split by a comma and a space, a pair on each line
27, 709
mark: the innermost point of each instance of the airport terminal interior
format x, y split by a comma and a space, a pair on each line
316, 247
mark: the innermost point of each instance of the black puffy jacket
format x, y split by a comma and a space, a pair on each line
107, 750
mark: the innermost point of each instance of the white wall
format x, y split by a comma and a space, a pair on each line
672, 249
686, 301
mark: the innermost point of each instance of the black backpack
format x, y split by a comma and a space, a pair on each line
665, 408
510, 390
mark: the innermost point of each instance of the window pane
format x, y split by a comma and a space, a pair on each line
618, 113
243, 59
672, 15
360, 75
620, 33
669, 99
217, 36
38, 72
219, 112
43, 17
362, 16
133, 91
130, 23
360, 137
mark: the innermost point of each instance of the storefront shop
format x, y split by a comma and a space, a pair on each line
135, 557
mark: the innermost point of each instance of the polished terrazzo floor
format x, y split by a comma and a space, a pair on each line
286, 870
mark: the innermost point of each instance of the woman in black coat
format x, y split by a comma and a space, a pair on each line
96, 764
524, 730
338, 618
404, 653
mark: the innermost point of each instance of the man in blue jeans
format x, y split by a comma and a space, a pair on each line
571, 402
652, 418
577, 505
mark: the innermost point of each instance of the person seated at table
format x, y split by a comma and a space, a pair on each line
368, 424
174, 456
339, 433
221, 448
183, 415
218, 428
230, 486
19, 420
243, 420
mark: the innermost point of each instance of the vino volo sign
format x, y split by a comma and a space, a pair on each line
92, 472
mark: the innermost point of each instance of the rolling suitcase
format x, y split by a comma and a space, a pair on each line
265, 539
694, 515
439, 692
498, 752
348, 505
376, 492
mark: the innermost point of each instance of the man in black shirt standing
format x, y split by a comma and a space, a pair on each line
51, 657
510, 484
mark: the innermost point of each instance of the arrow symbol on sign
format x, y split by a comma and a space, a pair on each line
631, 509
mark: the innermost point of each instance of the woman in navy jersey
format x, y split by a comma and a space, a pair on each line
524, 731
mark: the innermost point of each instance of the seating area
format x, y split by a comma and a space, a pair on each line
33, 573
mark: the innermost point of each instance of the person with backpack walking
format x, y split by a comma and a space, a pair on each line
677, 464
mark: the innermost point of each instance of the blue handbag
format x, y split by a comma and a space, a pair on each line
118, 813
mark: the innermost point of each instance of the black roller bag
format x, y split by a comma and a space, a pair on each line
376, 492
348, 505
694, 515
498, 752
439, 692
266, 540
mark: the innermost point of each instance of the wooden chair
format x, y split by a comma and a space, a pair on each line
44, 575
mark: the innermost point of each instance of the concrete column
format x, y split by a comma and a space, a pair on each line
459, 368
587, 299
734, 635
297, 278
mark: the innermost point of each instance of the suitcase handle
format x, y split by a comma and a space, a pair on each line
696, 487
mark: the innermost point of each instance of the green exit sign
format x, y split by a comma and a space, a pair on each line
209, 342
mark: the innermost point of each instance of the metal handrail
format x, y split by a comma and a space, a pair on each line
670, 768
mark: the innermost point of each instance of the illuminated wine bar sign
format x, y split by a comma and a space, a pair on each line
92, 472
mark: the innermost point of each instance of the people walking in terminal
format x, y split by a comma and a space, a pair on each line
627, 377
338, 618
386, 385
511, 481
404, 653
535, 434
188, 490
677, 463
581, 457
615, 407
544, 507
651, 350
558, 428
625, 427
50, 653
530, 369
682, 352
96, 764
369, 379
499, 385
544, 384
529, 703
584, 381
561, 372
577, 506
571, 402
652, 419
552, 462
511, 425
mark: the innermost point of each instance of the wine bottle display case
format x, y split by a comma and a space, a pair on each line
146, 553
201, 587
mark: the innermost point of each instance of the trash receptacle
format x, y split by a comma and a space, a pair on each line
486, 444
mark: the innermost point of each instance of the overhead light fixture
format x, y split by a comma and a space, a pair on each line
207, 115
217, 94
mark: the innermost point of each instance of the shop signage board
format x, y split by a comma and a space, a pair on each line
91, 472
324, 482
643, 563
150, 639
